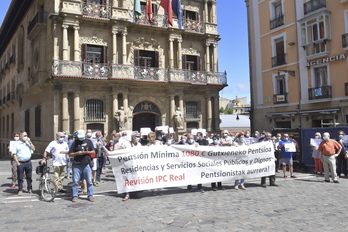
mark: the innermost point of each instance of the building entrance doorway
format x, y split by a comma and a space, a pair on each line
146, 114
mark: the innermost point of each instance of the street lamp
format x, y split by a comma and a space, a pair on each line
237, 118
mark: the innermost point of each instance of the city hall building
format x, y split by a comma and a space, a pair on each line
107, 65
298, 63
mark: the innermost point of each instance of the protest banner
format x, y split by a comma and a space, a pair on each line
150, 167
315, 142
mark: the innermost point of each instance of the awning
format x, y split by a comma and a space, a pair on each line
320, 111
281, 114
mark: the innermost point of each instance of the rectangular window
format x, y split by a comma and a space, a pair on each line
191, 63
27, 121
94, 110
38, 121
283, 124
94, 54
320, 75
12, 122
279, 58
192, 110
146, 59
281, 84
278, 16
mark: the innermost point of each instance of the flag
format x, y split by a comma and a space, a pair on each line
167, 6
149, 10
176, 4
137, 10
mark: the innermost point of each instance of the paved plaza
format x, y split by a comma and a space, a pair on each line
306, 203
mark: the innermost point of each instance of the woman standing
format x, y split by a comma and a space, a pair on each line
318, 165
340, 159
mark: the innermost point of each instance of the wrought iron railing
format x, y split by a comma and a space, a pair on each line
40, 17
320, 92
313, 5
95, 10
157, 20
345, 40
277, 21
279, 60
119, 71
280, 98
193, 25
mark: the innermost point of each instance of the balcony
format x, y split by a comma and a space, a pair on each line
39, 19
193, 25
280, 98
128, 72
156, 20
277, 21
319, 92
279, 60
94, 10
313, 5
345, 41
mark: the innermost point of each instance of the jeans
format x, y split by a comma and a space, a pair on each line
27, 168
68, 167
341, 163
239, 182
100, 163
79, 173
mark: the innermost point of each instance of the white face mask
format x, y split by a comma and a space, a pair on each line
16, 138
25, 138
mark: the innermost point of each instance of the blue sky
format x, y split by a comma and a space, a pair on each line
233, 46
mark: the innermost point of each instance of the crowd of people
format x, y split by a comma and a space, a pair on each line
83, 156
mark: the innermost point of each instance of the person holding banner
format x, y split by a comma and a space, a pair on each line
151, 138
329, 150
314, 143
341, 160
191, 141
240, 142
216, 143
272, 178
286, 148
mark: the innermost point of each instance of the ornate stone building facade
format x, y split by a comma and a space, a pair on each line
71, 64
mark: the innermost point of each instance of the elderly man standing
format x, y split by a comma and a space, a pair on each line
21, 152
329, 150
81, 149
59, 150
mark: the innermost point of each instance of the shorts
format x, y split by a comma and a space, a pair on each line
286, 161
94, 168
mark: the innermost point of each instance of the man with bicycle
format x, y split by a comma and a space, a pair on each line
81, 149
59, 150
21, 152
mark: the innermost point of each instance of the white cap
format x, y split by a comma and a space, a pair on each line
225, 131
81, 133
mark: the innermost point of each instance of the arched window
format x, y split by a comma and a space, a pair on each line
94, 110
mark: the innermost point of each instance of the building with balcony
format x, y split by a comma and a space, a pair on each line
298, 63
71, 64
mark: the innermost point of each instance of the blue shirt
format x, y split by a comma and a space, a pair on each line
22, 150
284, 154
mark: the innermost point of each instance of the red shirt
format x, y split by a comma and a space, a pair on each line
329, 147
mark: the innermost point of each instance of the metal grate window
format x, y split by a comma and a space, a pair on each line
192, 110
94, 110
27, 121
38, 121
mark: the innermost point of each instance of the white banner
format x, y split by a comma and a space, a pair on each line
143, 167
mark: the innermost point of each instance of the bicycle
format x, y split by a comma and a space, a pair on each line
48, 188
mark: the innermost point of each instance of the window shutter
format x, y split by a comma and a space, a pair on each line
105, 54
156, 63
184, 62
103, 2
197, 16
84, 52
154, 9
136, 57
198, 63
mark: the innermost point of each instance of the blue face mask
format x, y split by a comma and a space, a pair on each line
216, 141
61, 140
324, 138
286, 139
81, 139
341, 136
242, 140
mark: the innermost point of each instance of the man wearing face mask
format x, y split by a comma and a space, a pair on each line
286, 157
81, 149
329, 150
59, 150
341, 160
226, 140
200, 140
21, 152
13, 162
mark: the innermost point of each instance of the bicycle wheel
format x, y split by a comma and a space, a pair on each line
49, 191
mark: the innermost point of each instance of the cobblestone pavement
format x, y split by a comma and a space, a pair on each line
302, 204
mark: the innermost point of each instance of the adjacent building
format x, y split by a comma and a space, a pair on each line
298, 63
107, 65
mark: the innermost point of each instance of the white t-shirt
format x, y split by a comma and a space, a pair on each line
55, 148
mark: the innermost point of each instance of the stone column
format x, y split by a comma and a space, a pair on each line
65, 113
209, 113
114, 109
124, 46
206, 11
65, 42
126, 110
114, 46
207, 55
179, 54
76, 111
215, 66
216, 113
171, 111
171, 53
76, 44
181, 103
55, 41
214, 11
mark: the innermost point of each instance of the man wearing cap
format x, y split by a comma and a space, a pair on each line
81, 149
226, 140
